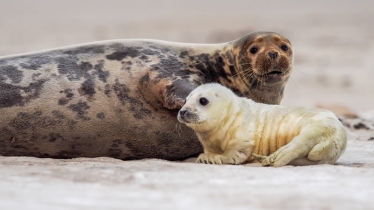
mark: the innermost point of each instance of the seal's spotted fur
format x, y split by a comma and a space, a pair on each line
119, 98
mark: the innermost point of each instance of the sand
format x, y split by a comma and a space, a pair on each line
334, 46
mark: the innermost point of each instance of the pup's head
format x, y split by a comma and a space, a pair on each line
206, 106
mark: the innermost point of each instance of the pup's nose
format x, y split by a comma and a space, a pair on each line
182, 112
273, 55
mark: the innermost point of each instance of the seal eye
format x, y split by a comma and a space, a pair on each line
253, 50
203, 101
284, 47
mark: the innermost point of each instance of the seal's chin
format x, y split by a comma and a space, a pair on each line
274, 76
188, 122
275, 73
183, 121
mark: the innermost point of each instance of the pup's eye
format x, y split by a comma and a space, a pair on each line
203, 101
284, 47
253, 50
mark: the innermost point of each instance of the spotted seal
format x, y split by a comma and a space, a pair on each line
233, 128
120, 98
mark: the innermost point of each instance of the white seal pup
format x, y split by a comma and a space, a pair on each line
235, 129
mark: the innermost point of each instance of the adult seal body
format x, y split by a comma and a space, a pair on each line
120, 98
234, 130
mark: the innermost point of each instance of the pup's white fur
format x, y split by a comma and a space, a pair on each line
234, 130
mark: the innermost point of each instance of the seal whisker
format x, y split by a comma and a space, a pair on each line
293, 82
242, 64
296, 73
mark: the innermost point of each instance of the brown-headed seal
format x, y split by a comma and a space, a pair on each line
233, 128
120, 98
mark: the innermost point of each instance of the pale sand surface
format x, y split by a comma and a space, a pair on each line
334, 68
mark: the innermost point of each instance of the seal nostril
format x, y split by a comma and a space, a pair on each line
182, 112
273, 55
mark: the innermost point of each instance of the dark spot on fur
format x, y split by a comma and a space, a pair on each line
184, 73
58, 114
144, 79
150, 52
124, 52
20, 147
10, 72
230, 57
63, 101
69, 93
103, 75
85, 66
128, 63
162, 138
35, 62
11, 95
68, 96
121, 91
100, 115
136, 106
81, 109
85, 50
371, 139
114, 151
212, 67
143, 57
141, 112
134, 148
107, 90
233, 71
88, 88
54, 137
68, 66
33, 121
72, 123
6, 134
118, 111
183, 54
168, 66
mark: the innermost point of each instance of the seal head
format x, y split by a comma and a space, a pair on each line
265, 61
205, 108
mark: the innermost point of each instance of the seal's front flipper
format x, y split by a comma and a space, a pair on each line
169, 93
177, 92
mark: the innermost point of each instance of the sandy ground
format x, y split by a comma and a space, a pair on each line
334, 68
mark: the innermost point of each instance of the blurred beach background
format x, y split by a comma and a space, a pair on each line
333, 42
